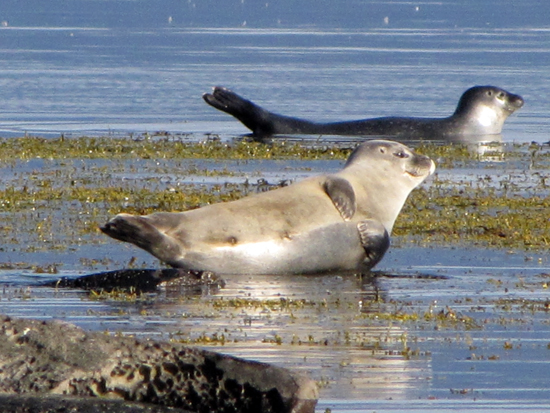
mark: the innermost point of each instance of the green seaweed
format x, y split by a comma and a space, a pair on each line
440, 212
158, 148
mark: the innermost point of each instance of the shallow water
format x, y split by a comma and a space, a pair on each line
444, 326
492, 328
480, 338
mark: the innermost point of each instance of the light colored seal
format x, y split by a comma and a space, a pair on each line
481, 111
338, 222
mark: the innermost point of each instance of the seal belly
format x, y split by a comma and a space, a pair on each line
335, 247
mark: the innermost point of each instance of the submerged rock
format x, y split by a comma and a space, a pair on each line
49, 358
142, 280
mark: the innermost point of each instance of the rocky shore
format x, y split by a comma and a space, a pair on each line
43, 361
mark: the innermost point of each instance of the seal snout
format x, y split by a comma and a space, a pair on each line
516, 101
421, 167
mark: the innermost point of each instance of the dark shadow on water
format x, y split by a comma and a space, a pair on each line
417, 275
373, 295
355, 139
486, 147
142, 280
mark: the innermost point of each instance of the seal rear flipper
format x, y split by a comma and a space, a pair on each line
251, 115
260, 121
375, 240
227, 101
342, 195
140, 232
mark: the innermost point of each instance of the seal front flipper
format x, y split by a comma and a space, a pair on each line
139, 231
342, 195
375, 240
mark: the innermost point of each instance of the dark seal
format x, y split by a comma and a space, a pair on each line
481, 110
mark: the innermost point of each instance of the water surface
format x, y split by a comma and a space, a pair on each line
99, 67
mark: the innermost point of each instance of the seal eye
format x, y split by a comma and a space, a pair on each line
489, 93
401, 154
382, 150
501, 96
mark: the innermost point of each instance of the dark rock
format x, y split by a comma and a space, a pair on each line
38, 357
142, 280
53, 403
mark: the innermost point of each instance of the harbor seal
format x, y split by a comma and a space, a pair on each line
481, 110
338, 222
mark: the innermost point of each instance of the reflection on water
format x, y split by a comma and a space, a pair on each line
414, 331
310, 323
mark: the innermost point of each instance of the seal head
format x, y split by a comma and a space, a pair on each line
482, 110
